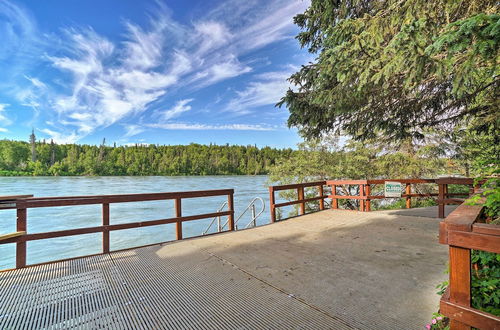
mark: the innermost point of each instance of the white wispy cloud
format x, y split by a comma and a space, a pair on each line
107, 81
132, 130
230, 127
180, 107
36, 82
60, 137
267, 89
3, 130
4, 121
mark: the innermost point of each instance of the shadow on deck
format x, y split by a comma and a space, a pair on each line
327, 270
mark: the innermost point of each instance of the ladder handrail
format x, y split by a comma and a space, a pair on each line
215, 218
252, 202
251, 205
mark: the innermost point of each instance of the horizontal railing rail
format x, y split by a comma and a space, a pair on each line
21, 236
461, 231
300, 196
365, 191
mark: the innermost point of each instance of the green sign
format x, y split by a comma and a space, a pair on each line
392, 189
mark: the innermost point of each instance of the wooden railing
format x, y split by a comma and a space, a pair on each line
22, 205
300, 196
462, 233
366, 186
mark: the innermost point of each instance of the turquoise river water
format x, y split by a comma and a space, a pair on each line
68, 217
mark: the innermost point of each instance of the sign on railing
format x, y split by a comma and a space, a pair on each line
392, 189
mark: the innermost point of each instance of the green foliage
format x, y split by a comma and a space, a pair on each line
318, 160
392, 68
193, 159
485, 282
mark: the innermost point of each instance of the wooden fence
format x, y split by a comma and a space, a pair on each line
367, 186
299, 187
21, 236
365, 196
461, 231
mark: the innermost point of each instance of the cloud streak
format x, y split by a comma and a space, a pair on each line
228, 127
102, 81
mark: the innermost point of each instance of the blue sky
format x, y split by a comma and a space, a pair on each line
167, 72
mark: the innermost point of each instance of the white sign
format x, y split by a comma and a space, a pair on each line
392, 189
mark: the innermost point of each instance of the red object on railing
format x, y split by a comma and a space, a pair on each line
462, 233
23, 204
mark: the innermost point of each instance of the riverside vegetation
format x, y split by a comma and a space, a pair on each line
403, 73
41, 158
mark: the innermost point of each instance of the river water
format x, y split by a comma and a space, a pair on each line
68, 217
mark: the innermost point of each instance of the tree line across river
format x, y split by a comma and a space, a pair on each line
42, 158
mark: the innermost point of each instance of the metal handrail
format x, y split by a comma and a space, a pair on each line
251, 206
254, 216
216, 218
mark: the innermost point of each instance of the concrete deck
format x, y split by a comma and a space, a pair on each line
327, 270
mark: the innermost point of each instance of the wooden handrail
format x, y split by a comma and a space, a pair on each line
462, 233
21, 237
301, 200
365, 197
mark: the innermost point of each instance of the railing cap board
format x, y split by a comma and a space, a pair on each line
453, 180
463, 217
119, 198
298, 185
13, 198
340, 182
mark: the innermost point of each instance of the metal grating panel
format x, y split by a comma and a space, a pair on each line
146, 289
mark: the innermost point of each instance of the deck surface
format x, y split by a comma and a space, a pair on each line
326, 270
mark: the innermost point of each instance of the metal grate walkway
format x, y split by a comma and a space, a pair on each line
327, 270
137, 289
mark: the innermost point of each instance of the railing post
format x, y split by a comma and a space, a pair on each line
441, 204
21, 226
368, 191
321, 201
254, 220
300, 193
361, 194
105, 233
408, 198
230, 206
178, 214
335, 201
460, 278
272, 201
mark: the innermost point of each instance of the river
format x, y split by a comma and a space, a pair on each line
68, 217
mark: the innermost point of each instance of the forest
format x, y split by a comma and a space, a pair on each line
50, 159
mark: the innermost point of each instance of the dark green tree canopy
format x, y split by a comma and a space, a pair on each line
395, 68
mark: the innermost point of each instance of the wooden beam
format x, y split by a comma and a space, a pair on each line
10, 235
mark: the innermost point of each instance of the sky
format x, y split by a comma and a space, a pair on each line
163, 72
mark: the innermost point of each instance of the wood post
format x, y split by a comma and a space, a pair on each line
272, 201
321, 201
105, 222
361, 194
335, 201
368, 191
300, 193
230, 206
408, 197
21, 226
460, 278
178, 214
441, 204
